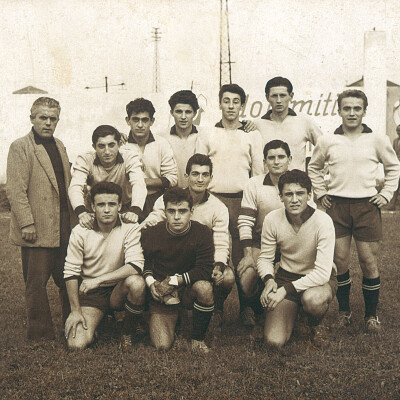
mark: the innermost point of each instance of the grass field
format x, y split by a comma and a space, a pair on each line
353, 366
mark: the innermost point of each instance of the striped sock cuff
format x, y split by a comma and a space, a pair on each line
134, 308
186, 278
203, 308
344, 279
371, 284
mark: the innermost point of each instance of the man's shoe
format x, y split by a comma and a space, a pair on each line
319, 335
344, 319
198, 346
301, 327
372, 324
247, 317
141, 328
125, 342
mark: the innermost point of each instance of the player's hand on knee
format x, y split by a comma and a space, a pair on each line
86, 220
326, 201
270, 286
245, 263
72, 322
217, 276
378, 200
154, 292
29, 233
129, 217
274, 298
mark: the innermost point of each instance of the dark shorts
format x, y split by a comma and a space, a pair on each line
283, 277
97, 298
233, 202
356, 217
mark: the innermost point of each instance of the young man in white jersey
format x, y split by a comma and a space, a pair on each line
236, 155
353, 154
103, 270
260, 197
282, 122
306, 276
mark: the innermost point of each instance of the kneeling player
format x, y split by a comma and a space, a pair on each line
178, 265
209, 211
306, 278
103, 269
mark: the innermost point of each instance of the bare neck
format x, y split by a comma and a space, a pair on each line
231, 124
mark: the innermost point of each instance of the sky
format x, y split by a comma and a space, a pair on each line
62, 47
74, 44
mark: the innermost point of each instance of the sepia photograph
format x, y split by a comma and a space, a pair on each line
198, 199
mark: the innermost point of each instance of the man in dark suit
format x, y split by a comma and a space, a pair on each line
38, 175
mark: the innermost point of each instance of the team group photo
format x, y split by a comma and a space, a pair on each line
212, 240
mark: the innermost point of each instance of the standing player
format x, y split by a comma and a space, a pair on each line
156, 153
306, 238
103, 269
184, 136
281, 122
178, 265
260, 197
209, 211
107, 163
396, 148
353, 154
236, 155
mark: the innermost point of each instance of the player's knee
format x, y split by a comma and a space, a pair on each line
135, 284
80, 341
229, 279
248, 282
314, 302
275, 340
162, 342
203, 291
163, 346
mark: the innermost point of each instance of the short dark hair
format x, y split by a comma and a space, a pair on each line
295, 176
276, 144
140, 105
198, 159
184, 97
106, 187
177, 195
359, 94
232, 88
103, 131
278, 81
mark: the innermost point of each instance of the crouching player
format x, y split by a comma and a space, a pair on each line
306, 277
178, 266
103, 269
209, 211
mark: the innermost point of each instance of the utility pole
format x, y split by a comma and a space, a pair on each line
225, 63
156, 68
106, 86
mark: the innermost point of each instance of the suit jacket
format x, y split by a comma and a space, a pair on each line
32, 190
